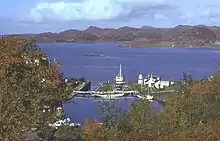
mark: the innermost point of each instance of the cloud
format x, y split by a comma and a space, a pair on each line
58, 15
202, 14
94, 10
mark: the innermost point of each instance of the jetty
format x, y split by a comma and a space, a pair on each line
80, 86
104, 92
84, 87
151, 87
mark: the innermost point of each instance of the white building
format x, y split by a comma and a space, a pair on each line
119, 78
140, 79
150, 80
162, 84
154, 81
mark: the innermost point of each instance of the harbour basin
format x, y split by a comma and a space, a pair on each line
166, 62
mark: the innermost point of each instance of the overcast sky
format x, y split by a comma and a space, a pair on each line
31, 16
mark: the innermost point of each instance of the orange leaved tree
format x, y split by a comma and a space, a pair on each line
30, 89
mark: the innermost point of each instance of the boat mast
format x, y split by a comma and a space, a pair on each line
120, 72
148, 84
112, 82
141, 87
160, 84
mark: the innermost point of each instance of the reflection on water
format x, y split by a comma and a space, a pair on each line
113, 57
82, 109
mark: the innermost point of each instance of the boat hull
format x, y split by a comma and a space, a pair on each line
148, 97
108, 95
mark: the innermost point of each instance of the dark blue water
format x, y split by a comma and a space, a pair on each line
168, 63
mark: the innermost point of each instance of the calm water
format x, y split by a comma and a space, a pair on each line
168, 63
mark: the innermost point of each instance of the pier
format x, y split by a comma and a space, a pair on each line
81, 89
105, 92
80, 86
146, 88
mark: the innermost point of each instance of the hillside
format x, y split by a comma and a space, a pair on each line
181, 35
196, 37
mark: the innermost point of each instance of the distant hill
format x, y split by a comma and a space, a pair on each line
200, 35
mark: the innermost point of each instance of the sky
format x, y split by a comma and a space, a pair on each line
35, 16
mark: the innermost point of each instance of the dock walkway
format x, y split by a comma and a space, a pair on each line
106, 92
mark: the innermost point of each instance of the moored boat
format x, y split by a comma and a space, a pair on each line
95, 54
108, 95
147, 97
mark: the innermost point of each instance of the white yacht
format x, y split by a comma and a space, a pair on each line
147, 97
65, 122
109, 95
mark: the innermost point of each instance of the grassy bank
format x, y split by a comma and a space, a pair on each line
147, 44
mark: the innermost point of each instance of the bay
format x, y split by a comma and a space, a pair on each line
166, 62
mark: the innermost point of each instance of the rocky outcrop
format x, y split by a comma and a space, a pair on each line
195, 37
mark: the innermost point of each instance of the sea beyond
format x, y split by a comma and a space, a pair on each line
166, 62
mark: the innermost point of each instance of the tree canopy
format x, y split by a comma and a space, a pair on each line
31, 89
189, 115
29, 86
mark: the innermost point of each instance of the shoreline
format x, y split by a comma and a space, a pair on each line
121, 45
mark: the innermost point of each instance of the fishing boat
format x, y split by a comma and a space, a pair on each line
95, 54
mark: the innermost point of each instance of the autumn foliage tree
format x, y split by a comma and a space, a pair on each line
189, 115
29, 86
92, 131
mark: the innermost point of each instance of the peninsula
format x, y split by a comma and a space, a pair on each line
182, 35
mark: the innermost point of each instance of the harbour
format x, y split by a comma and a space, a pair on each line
163, 62
131, 71
142, 89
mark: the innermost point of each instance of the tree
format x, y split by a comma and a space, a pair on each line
82, 79
137, 124
30, 89
68, 133
187, 116
92, 131
203, 87
188, 111
143, 121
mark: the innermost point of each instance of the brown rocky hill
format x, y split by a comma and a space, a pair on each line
182, 34
196, 37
